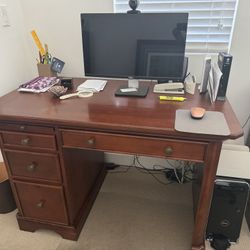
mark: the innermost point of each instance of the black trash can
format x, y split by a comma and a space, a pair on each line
7, 202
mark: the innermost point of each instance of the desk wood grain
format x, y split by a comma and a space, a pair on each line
117, 124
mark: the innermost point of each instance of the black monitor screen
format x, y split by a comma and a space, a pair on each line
142, 46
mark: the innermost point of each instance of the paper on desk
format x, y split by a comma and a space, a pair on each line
214, 81
92, 85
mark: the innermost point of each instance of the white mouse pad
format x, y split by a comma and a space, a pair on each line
212, 123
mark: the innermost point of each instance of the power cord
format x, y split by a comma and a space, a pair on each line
120, 171
179, 172
137, 161
182, 173
220, 242
246, 121
187, 75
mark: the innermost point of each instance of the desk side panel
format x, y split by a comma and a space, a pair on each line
82, 170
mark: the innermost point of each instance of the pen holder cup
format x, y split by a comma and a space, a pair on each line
45, 70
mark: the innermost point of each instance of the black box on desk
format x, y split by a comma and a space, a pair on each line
224, 63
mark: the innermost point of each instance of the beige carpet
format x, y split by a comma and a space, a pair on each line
132, 211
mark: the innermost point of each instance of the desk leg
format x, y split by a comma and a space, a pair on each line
211, 162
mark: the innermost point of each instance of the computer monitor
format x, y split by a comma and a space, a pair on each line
141, 46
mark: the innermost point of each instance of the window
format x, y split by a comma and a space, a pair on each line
210, 21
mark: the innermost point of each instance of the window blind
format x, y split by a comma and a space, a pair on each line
210, 23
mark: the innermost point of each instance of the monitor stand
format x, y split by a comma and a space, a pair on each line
132, 89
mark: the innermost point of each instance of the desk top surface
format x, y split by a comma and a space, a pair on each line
106, 112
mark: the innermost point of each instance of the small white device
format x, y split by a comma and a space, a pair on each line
169, 88
205, 74
128, 90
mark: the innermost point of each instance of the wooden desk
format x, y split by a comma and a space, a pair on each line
54, 150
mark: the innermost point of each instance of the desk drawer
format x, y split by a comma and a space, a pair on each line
26, 128
33, 165
42, 202
175, 149
27, 140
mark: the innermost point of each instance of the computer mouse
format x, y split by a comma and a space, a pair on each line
197, 112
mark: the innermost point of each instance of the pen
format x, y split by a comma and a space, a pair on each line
40, 57
172, 98
47, 56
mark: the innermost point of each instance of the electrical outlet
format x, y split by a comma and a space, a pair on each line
4, 17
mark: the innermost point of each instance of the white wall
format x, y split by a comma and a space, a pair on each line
57, 23
239, 84
15, 58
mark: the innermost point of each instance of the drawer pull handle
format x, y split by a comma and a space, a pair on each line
168, 150
25, 141
40, 204
22, 128
31, 167
91, 141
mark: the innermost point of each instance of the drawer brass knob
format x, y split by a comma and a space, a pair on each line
40, 204
168, 150
91, 141
31, 167
25, 141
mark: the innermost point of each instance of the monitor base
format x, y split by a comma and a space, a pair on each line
142, 91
